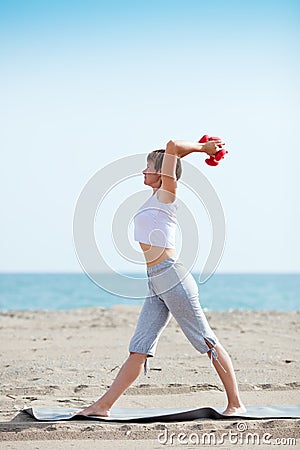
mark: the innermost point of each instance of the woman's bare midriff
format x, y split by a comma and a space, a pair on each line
154, 255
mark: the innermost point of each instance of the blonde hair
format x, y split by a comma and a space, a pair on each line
157, 157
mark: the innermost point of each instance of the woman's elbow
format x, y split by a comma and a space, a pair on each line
171, 146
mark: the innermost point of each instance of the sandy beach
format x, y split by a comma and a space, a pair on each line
69, 358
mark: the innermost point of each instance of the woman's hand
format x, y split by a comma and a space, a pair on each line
212, 147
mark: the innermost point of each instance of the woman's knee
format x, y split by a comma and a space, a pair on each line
139, 357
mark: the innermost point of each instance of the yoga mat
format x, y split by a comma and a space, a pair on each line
166, 414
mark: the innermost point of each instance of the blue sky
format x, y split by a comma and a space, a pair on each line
85, 83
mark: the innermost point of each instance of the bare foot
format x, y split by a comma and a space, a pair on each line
234, 410
93, 410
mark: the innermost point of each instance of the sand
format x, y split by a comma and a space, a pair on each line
69, 358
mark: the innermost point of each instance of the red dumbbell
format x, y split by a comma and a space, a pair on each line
213, 160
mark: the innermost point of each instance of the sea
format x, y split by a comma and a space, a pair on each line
223, 292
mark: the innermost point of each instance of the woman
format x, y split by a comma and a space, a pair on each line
172, 290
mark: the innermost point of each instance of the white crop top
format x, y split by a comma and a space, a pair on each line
155, 223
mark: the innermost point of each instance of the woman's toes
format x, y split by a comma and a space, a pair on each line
92, 411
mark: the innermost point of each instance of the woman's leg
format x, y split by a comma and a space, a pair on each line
128, 373
152, 321
224, 368
179, 291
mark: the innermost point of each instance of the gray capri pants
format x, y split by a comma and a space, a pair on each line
172, 291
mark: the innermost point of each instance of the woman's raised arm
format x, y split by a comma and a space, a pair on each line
183, 148
179, 149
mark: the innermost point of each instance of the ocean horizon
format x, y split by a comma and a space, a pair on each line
223, 291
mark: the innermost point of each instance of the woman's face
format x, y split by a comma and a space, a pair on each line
151, 177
